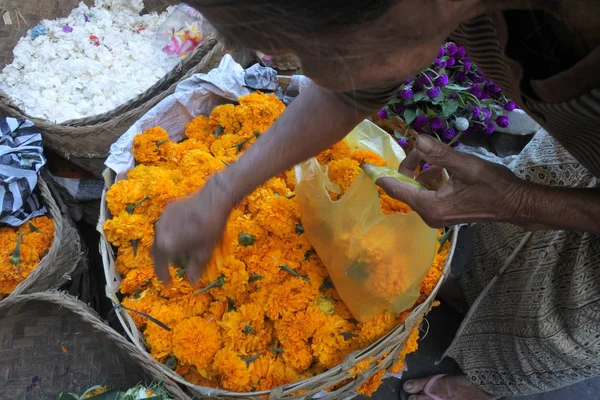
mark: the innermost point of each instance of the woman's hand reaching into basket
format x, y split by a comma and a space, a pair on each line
192, 228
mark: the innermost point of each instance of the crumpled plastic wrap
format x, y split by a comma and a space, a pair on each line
375, 261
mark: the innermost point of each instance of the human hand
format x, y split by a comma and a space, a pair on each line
477, 190
192, 228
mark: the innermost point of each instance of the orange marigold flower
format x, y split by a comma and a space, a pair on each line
127, 228
196, 341
343, 172
372, 384
226, 119
297, 354
279, 216
292, 296
136, 279
153, 147
200, 129
368, 157
232, 371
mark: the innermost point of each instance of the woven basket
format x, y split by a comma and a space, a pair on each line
386, 349
56, 267
53, 343
86, 141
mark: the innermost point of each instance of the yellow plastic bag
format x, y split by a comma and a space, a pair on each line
375, 261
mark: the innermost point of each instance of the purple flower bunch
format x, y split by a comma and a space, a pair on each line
451, 99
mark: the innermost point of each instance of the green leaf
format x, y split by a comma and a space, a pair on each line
449, 108
299, 229
456, 88
248, 329
255, 278
431, 113
33, 228
250, 360
219, 130
326, 284
161, 142
276, 350
231, 305
409, 116
438, 99
134, 244
358, 269
419, 96
67, 396
171, 363
309, 254
110, 395
348, 335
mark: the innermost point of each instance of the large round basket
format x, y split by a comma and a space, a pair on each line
52, 343
383, 353
56, 268
86, 141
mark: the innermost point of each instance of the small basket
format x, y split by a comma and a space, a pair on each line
86, 141
52, 343
56, 267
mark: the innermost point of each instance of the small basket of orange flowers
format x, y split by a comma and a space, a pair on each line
40, 254
266, 319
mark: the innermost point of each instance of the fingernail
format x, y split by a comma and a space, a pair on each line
425, 143
408, 386
413, 397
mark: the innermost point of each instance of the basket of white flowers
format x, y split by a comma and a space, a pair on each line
88, 70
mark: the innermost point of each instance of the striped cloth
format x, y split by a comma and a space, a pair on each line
21, 157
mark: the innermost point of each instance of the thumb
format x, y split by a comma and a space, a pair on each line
440, 154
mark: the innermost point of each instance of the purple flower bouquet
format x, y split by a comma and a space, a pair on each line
450, 99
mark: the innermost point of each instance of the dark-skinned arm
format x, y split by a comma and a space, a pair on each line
314, 121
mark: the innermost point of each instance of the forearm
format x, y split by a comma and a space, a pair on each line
313, 122
546, 207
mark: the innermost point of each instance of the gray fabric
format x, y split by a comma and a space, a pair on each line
538, 329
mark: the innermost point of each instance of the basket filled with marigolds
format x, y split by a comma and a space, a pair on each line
41, 253
265, 319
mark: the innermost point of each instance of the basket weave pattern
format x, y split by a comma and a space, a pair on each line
57, 341
383, 353
64, 255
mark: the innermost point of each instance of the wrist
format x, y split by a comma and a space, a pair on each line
526, 198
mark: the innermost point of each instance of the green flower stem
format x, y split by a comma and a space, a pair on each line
16, 256
291, 271
216, 284
456, 138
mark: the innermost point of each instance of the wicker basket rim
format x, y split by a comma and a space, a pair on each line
326, 379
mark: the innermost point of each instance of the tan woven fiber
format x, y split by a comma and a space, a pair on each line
386, 349
65, 255
66, 347
86, 141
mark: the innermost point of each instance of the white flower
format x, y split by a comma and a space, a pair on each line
461, 124
62, 76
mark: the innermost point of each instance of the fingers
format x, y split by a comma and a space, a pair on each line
410, 163
398, 190
197, 262
431, 178
440, 154
161, 264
